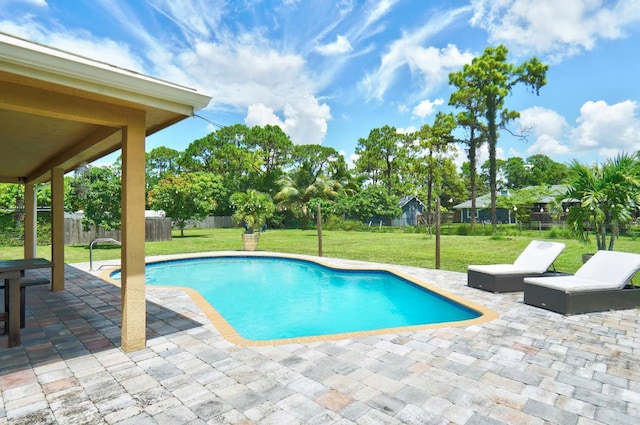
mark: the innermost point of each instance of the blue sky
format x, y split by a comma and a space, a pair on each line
330, 71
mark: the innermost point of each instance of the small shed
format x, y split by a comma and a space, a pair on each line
412, 208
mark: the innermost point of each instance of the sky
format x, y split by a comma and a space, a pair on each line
328, 72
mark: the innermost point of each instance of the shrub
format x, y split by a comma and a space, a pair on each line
411, 229
349, 225
634, 232
334, 222
463, 230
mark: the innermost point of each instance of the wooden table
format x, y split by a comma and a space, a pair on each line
10, 271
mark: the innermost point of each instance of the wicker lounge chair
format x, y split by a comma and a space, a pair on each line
535, 260
601, 284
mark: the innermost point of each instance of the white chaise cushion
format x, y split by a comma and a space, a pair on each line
503, 269
572, 283
611, 266
539, 255
606, 270
536, 258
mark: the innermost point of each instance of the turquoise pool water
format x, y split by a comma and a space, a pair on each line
266, 298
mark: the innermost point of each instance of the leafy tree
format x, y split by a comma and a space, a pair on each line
160, 162
452, 187
272, 145
491, 78
465, 174
97, 192
187, 196
433, 148
468, 98
501, 177
271, 148
372, 201
9, 193
312, 161
252, 209
516, 173
296, 199
607, 195
225, 153
380, 156
544, 170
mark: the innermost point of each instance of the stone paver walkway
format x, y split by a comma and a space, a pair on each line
529, 366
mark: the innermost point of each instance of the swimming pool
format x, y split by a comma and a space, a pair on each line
267, 298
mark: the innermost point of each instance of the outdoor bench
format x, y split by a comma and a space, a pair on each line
24, 284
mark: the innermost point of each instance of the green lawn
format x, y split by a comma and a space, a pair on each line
414, 249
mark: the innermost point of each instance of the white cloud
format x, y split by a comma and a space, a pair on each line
39, 3
407, 130
237, 73
201, 17
459, 155
353, 158
553, 28
608, 128
426, 107
305, 120
269, 83
77, 42
378, 10
542, 121
602, 129
548, 129
260, 115
436, 64
245, 74
549, 146
340, 46
432, 65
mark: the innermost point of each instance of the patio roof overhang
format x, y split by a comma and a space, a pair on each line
59, 110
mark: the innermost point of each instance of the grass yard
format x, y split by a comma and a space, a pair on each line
413, 249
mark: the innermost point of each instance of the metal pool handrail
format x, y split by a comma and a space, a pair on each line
99, 240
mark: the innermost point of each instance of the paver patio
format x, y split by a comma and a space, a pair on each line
529, 366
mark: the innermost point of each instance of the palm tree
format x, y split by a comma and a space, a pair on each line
296, 199
253, 209
607, 195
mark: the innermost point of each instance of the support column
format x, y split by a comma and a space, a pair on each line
57, 229
30, 220
133, 235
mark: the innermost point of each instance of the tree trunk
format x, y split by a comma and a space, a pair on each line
493, 141
388, 172
430, 190
614, 234
472, 175
601, 236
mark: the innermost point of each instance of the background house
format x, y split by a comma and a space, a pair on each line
483, 210
547, 209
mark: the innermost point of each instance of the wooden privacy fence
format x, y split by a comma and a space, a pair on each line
156, 229
213, 222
